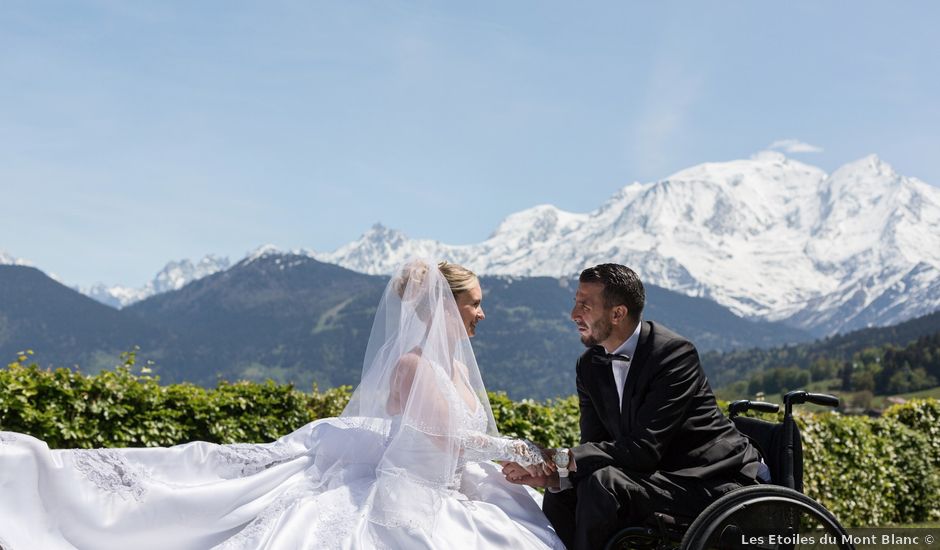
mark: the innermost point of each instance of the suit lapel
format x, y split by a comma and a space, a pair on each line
633, 375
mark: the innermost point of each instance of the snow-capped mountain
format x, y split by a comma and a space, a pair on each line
769, 237
269, 250
6, 259
173, 276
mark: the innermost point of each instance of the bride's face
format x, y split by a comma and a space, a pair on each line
470, 305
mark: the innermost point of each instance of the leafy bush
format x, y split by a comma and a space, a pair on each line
867, 471
121, 408
922, 415
551, 424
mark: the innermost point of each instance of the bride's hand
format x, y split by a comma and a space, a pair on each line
529, 454
532, 457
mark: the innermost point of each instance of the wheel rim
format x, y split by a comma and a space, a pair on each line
771, 521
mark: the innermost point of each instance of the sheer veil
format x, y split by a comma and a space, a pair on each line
419, 374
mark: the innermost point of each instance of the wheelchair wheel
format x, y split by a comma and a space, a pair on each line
765, 517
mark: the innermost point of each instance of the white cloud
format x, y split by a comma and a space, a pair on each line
794, 146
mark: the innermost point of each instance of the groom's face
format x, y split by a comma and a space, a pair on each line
590, 314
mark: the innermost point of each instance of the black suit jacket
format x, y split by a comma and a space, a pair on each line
670, 420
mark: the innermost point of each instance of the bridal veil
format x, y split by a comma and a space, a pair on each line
420, 374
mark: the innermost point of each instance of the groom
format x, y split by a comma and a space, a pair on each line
652, 437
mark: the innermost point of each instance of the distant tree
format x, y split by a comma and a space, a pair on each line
755, 384
846, 375
823, 369
863, 380
862, 400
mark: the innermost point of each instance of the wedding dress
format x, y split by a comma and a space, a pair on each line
407, 465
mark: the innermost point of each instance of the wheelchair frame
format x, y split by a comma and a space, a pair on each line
784, 491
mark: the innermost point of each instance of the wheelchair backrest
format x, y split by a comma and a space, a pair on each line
770, 440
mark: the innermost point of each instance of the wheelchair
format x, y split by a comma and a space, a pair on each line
772, 516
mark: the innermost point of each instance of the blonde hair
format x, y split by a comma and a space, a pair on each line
412, 273
459, 278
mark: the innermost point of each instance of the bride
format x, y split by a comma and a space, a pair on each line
407, 464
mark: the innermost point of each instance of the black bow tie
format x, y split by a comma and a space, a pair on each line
601, 357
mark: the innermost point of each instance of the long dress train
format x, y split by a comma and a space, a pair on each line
407, 465
310, 489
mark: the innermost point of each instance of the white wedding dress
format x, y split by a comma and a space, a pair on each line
308, 489
355, 481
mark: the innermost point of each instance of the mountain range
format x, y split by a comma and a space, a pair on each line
769, 238
174, 276
293, 318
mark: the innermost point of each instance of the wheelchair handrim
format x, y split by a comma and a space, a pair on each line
827, 521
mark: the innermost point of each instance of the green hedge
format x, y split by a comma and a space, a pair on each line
126, 407
875, 471
551, 424
867, 471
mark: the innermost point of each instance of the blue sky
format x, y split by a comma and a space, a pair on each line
134, 133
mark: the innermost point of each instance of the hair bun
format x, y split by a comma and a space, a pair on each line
412, 275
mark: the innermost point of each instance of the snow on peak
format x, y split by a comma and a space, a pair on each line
178, 274
261, 252
380, 250
768, 236
873, 214
6, 259
537, 223
116, 296
384, 236
868, 174
769, 156
768, 166
174, 276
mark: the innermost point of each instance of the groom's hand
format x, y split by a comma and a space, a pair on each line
519, 475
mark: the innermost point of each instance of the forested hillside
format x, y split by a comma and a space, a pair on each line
291, 318
884, 361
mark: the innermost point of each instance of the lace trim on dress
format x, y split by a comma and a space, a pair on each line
111, 472
414, 515
7, 437
237, 460
335, 526
376, 425
472, 421
258, 528
480, 447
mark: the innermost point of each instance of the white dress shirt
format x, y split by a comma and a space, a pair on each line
622, 368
